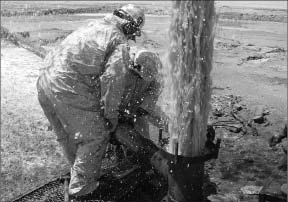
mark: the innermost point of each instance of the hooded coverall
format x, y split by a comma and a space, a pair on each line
79, 89
142, 90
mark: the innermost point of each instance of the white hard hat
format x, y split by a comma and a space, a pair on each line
149, 64
136, 13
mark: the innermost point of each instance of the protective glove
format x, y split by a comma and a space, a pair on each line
111, 124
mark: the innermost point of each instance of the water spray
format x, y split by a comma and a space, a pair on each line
191, 52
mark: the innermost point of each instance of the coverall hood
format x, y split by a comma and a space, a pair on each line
134, 20
146, 64
119, 22
135, 12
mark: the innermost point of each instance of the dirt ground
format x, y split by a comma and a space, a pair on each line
250, 61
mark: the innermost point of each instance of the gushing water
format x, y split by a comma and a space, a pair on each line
187, 76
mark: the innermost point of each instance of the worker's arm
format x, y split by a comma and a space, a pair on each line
113, 81
154, 114
158, 118
150, 96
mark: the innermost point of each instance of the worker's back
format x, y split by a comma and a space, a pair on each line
73, 68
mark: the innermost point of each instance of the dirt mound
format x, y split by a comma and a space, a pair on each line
229, 113
221, 43
6, 44
245, 157
263, 54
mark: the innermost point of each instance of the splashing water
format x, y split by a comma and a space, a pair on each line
187, 77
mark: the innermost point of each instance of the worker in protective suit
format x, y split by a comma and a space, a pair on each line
81, 87
138, 104
141, 93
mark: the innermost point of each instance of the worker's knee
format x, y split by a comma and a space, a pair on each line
69, 149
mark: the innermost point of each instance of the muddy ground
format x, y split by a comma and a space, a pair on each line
250, 61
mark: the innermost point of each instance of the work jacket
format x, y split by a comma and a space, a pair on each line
87, 70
